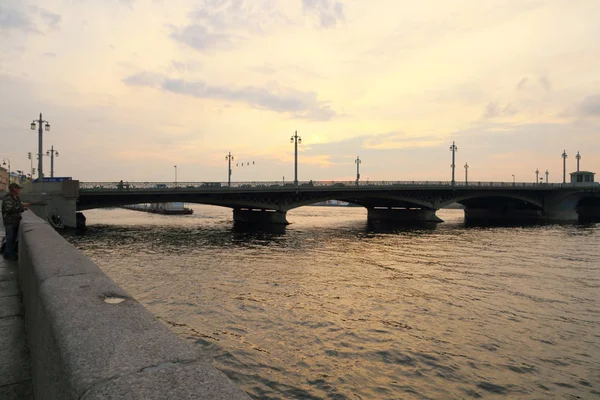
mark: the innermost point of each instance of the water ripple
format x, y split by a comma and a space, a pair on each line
331, 307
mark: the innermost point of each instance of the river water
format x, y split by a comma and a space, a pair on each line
332, 308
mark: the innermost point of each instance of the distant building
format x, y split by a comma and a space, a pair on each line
582, 177
3, 179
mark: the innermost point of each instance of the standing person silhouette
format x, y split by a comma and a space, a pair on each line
12, 207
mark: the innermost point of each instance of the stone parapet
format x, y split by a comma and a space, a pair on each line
89, 339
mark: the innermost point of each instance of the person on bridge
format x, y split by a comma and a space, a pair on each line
12, 207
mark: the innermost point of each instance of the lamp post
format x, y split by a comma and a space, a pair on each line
564, 156
578, 157
30, 156
453, 149
4, 162
52, 153
296, 140
466, 174
358, 162
537, 175
175, 166
40, 122
513, 179
229, 158
547, 173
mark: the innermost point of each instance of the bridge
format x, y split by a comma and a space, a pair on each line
407, 201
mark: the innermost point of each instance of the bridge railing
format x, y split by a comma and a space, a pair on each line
108, 186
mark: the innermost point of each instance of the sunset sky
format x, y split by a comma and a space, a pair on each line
133, 87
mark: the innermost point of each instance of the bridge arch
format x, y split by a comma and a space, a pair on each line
588, 207
465, 199
365, 200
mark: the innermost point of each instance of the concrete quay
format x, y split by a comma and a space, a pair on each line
89, 339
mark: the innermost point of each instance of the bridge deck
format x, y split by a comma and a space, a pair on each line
321, 186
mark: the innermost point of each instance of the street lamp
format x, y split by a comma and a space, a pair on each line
547, 173
229, 158
4, 161
30, 157
578, 157
40, 122
296, 140
564, 156
358, 162
175, 166
51, 153
537, 175
466, 174
453, 149
513, 179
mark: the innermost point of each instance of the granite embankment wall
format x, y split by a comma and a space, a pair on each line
90, 340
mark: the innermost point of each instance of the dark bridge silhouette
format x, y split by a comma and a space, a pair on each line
400, 201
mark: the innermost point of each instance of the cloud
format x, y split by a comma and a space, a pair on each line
282, 100
51, 20
243, 15
144, 79
200, 38
590, 106
329, 12
264, 69
18, 20
227, 23
495, 110
128, 3
15, 20
372, 143
49, 54
545, 83
527, 84
398, 140
185, 66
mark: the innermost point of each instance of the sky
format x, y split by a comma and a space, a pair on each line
132, 88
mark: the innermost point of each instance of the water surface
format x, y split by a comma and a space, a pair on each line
333, 308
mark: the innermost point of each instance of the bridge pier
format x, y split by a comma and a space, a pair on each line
259, 216
561, 208
402, 215
589, 209
499, 214
589, 213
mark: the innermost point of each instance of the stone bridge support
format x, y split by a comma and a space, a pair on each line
394, 214
259, 216
589, 209
561, 207
502, 214
549, 207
